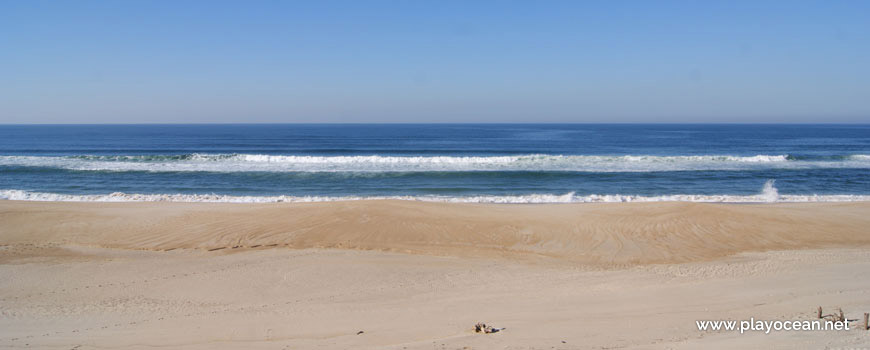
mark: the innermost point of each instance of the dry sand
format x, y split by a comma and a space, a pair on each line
419, 275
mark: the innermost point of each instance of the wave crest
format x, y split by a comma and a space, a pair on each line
378, 163
510, 199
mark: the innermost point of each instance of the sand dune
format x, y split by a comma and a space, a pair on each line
622, 233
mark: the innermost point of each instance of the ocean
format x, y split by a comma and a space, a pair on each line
491, 163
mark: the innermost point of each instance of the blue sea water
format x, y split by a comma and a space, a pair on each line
452, 162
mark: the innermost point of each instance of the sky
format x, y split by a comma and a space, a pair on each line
434, 61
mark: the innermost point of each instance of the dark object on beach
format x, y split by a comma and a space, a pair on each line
835, 317
481, 327
360, 332
820, 312
866, 319
563, 342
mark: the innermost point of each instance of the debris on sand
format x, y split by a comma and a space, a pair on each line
481, 327
834, 317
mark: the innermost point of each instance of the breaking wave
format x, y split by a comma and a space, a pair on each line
767, 195
375, 163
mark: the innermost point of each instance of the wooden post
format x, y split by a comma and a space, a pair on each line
820, 312
842, 318
866, 316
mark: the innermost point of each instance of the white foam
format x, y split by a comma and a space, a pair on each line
769, 192
283, 163
516, 199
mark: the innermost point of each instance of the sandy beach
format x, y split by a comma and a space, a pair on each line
434, 175
418, 275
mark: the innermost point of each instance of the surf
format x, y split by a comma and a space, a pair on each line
197, 162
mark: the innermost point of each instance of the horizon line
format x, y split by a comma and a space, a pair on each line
449, 123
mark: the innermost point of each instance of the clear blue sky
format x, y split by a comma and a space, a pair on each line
434, 61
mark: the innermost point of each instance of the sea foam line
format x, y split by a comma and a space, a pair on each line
286, 163
515, 199
307, 159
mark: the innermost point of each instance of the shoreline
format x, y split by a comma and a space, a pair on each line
769, 194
